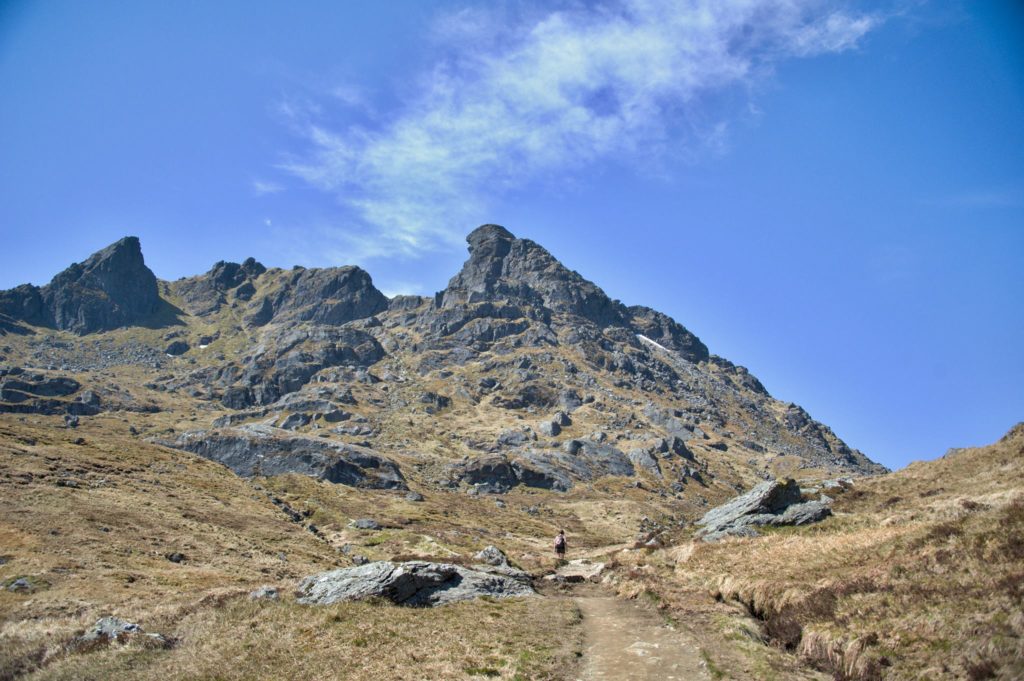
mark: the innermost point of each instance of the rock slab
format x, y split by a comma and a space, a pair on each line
413, 583
773, 502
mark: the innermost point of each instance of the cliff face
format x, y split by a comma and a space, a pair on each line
111, 289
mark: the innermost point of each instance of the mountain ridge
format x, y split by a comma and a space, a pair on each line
505, 367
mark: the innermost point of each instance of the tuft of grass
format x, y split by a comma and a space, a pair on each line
713, 669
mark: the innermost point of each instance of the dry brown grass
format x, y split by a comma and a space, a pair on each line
99, 547
919, 575
242, 639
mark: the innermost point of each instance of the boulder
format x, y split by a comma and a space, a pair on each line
549, 428
643, 459
413, 583
177, 347
365, 524
773, 502
491, 555
561, 418
113, 629
265, 593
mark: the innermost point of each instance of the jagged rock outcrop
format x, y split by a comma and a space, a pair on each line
773, 502
414, 583
24, 392
288, 358
503, 268
110, 289
205, 294
667, 332
260, 450
330, 296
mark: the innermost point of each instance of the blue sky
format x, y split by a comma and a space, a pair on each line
830, 194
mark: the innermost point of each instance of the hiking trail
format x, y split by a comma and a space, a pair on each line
622, 640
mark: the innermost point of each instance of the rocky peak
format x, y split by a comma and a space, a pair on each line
228, 275
504, 268
334, 296
110, 289
204, 295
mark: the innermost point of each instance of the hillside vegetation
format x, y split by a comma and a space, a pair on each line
918, 575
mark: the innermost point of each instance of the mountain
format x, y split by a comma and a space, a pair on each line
176, 457
112, 288
520, 372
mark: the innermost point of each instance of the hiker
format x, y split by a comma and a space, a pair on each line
560, 544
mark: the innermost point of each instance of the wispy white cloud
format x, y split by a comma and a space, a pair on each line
263, 187
551, 93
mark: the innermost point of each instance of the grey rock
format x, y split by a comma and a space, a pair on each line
414, 583
668, 333
365, 524
804, 514
113, 629
561, 418
643, 459
331, 296
177, 347
258, 450
414, 497
772, 496
513, 437
295, 421
110, 289
570, 400
289, 358
265, 593
206, 293
20, 584
774, 502
549, 428
491, 555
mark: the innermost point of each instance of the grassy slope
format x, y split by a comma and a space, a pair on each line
99, 547
919, 575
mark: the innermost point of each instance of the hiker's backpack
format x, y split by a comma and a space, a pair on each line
560, 541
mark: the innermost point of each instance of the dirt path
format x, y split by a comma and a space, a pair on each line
624, 641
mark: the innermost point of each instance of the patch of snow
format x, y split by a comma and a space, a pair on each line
651, 342
203, 347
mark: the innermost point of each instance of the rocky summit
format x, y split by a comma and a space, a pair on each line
112, 288
519, 373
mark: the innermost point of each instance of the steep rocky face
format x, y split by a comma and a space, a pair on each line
111, 289
330, 296
506, 269
205, 294
667, 332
